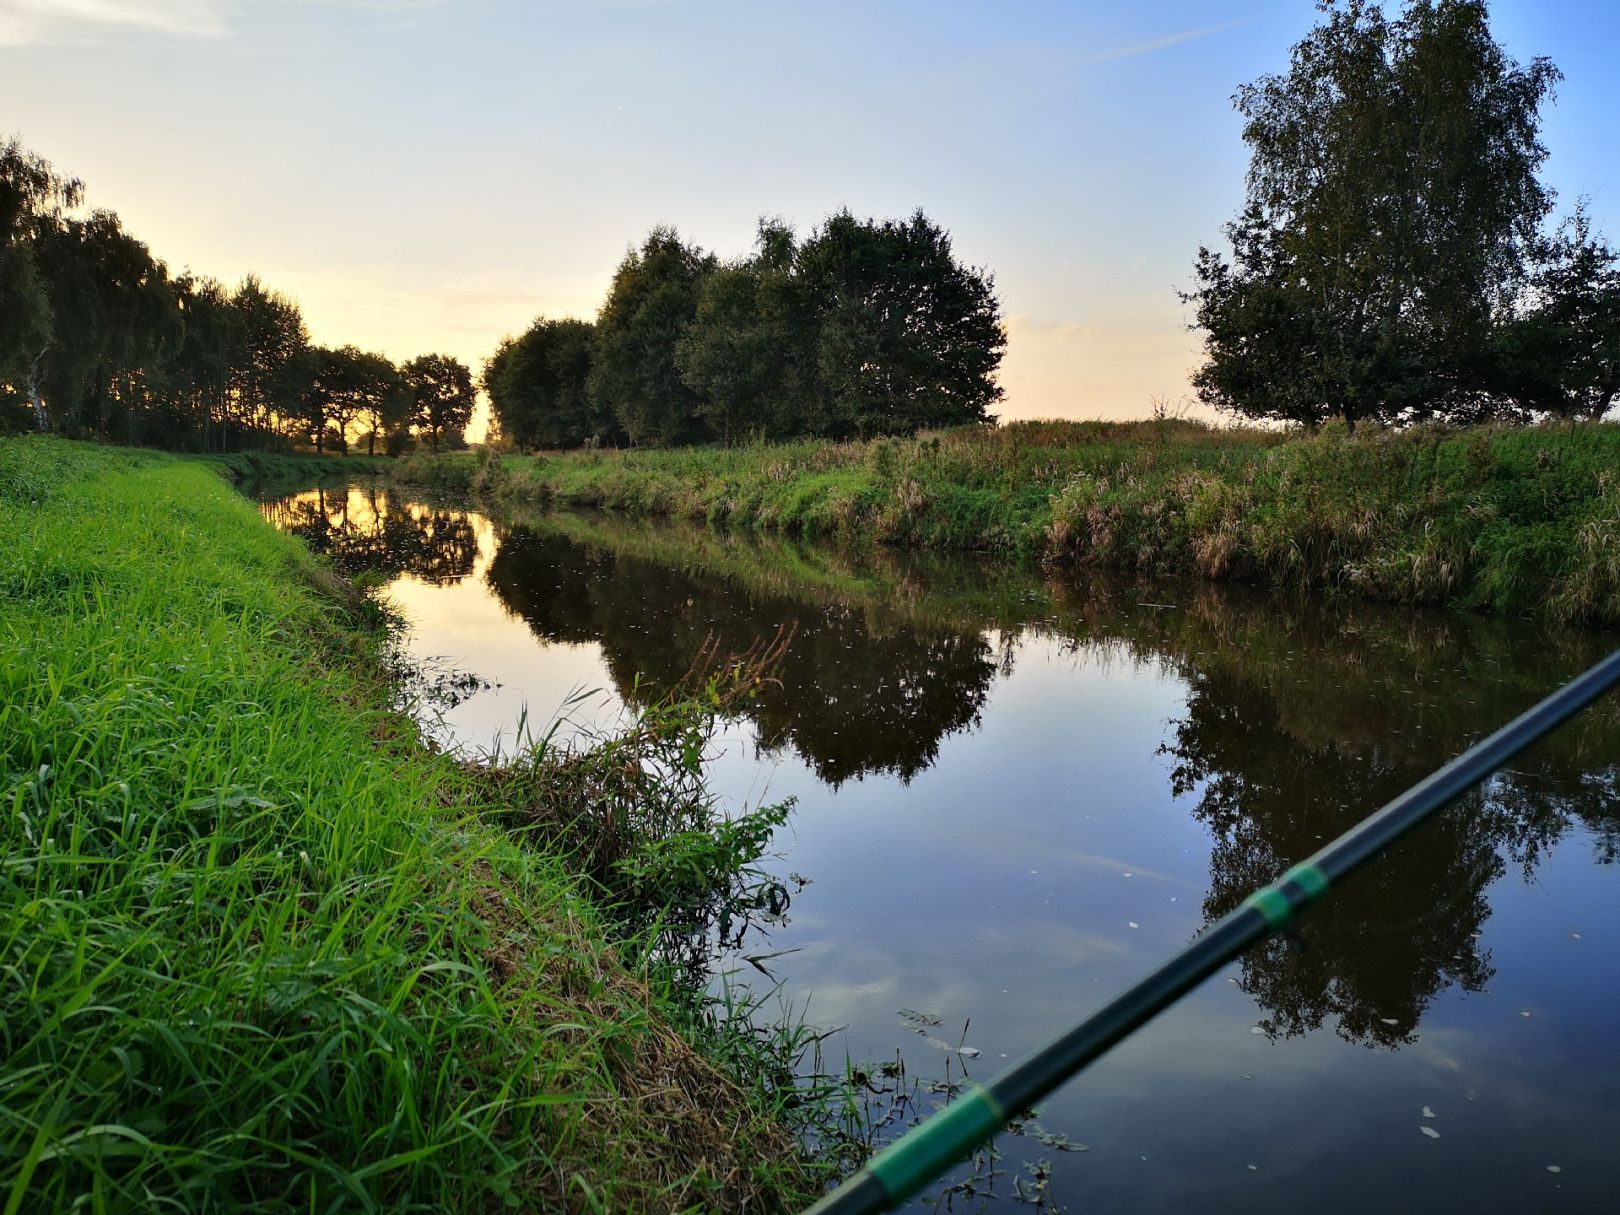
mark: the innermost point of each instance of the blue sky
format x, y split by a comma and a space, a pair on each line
432, 175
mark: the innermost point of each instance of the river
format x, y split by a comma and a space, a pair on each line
1017, 791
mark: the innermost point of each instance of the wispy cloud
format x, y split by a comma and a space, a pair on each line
29, 21
24, 21
1133, 49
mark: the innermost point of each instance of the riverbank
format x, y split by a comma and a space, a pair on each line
264, 950
1523, 520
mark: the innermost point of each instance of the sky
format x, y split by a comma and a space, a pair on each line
431, 175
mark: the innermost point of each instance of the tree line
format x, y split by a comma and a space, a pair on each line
98, 339
1395, 258
865, 328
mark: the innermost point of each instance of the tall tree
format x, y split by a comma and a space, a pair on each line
272, 360
442, 396
33, 198
1393, 211
201, 372
749, 353
538, 386
383, 401
114, 322
1562, 354
634, 375
906, 336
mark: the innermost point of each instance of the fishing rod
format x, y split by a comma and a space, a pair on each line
933, 1145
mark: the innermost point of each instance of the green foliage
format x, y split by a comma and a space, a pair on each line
867, 328
1392, 225
634, 375
1505, 519
906, 338
538, 388
749, 353
261, 950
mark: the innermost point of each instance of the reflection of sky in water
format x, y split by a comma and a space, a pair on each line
1042, 862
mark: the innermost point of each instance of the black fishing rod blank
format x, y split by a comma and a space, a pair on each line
923, 1153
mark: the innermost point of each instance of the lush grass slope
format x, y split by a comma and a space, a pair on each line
1510, 519
258, 950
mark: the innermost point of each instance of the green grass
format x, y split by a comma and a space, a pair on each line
259, 950
1499, 519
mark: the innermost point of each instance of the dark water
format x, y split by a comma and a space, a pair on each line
1017, 793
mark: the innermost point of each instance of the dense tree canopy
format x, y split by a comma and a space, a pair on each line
442, 397
98, 339
906, 337
1393, 230
866, 328
649, 306
538, 388
749, 353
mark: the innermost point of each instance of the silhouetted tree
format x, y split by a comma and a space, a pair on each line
442, 395
114, 321
1562, 354
271, 359
33, 198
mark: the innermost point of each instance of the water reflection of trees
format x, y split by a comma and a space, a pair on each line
1300, 718
366, 532
850, 699
1273, 779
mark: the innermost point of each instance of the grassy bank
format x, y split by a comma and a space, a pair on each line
258, 949
1520, 519
299, 466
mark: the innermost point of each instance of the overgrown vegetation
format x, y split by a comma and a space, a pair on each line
1502, 519
260, 950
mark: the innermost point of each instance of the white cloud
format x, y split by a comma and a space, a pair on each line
1133, 49
29, 21
24, 21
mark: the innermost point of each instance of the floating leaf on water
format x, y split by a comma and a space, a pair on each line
1430, 1132
1057, 1142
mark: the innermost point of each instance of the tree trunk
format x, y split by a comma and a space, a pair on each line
41, 418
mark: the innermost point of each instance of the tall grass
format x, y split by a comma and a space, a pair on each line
1503, 519
259, 951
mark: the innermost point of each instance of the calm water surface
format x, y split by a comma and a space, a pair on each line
1017, 793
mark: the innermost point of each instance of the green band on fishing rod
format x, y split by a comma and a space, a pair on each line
1293, 892
911, 1161
908, 1164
